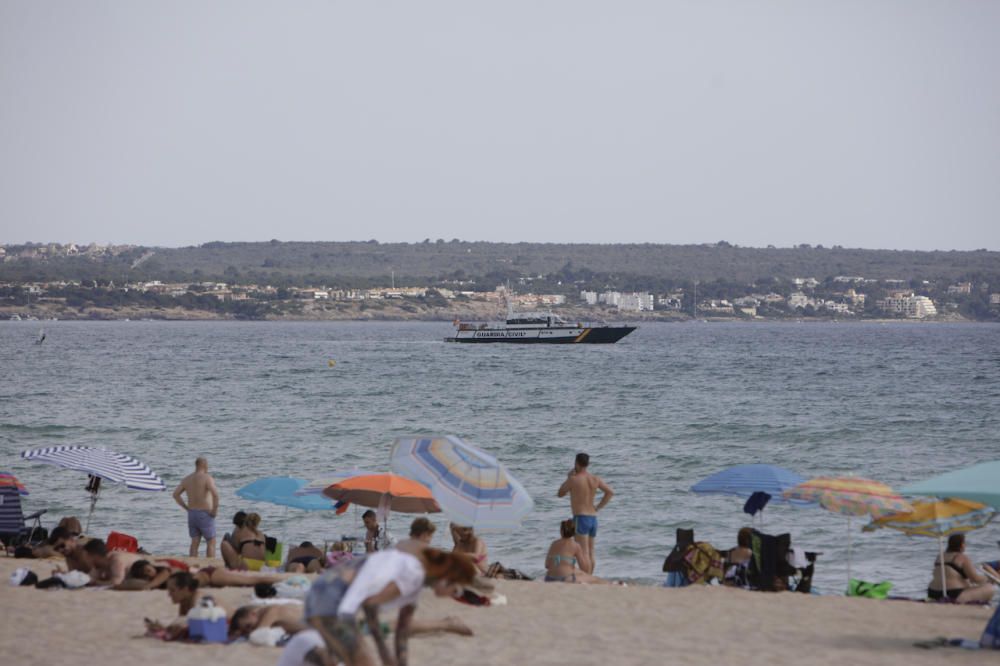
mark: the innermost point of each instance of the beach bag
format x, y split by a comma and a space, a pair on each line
860, 588
990, 639
122, 542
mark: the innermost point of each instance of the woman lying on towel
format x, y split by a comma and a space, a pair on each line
146, 575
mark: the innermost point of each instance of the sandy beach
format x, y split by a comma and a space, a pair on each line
540, 624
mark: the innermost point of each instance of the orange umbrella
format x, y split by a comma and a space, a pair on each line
385, 492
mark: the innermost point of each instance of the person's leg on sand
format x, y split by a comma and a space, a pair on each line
981, 594
224, 578
210, 548
195, 543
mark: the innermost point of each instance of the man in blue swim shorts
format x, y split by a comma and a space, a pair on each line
201, 506
582, 487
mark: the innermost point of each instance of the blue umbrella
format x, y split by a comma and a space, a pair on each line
745, 480
979, 483
281, 490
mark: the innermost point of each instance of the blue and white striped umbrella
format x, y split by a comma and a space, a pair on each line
108, 465
471, 486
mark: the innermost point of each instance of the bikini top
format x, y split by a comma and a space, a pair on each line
951, 563
556, 559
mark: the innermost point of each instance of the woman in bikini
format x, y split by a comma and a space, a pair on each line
566, 558
247, 542
467, 542
963, 582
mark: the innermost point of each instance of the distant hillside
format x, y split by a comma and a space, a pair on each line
362, 263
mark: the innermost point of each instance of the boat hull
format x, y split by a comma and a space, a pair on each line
551, 336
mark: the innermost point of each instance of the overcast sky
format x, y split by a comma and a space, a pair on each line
865, 124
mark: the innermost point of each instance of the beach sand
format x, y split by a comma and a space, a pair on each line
540, 624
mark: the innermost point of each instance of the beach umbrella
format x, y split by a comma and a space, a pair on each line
471, 486
766, 482
99, 464
979, 483
937, 518
745, 480
281, 490
384, 492
850, 496
8, 480
319, 485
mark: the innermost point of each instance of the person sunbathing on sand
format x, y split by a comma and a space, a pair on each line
107, 568
145, 575
248, 618
305, 558
566, 560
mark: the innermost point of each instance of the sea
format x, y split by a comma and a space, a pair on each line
667, 406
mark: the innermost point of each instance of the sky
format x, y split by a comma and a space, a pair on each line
870, 123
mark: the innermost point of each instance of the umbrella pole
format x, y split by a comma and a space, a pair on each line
849, 544
93, 503
944, 580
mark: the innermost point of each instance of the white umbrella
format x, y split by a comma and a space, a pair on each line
99, 463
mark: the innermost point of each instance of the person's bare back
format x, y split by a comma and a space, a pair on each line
200, 489
582, 491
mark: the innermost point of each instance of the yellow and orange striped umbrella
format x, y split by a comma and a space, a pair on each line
850, 495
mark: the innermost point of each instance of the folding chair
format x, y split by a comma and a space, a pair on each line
13, 523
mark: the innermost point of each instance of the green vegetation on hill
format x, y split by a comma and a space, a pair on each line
622, 266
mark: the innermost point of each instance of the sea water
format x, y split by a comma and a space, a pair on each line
665, 407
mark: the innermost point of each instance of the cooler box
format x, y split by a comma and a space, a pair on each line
210, 631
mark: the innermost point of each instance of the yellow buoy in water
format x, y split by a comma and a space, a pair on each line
331, 363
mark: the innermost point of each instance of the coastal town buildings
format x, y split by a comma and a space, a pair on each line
908, 305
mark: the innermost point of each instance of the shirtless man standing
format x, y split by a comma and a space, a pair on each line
582, 487
202, 505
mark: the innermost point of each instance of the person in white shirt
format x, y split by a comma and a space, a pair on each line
389, 580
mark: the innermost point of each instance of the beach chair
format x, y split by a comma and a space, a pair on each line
770, 569
14, 529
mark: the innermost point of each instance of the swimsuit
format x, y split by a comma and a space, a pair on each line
200, 524
556, 559
257, 542
953, 593
585, 525
571, 578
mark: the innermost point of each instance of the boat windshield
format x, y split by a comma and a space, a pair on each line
535, 319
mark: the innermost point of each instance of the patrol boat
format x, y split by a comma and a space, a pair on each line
538, 328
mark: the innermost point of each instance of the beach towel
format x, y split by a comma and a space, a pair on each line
860, 588
702, 563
